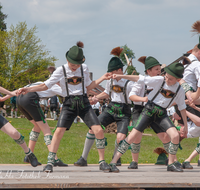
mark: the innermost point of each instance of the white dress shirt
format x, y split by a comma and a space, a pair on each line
119, 97
160, 100
193, 130
54, 90
58, 76
192, 72
138, 90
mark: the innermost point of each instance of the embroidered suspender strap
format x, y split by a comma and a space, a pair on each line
124, 92
174, 96
66, 80
158, 91
111, 83
145, 93
82, 80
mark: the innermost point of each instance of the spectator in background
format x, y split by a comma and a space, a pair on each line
1, 106
51, 69
54, 106
13, 106
8, 129
96, 108
44, 105
104, 106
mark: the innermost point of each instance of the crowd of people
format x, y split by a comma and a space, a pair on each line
141, 100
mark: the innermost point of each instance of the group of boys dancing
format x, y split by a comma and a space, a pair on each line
151, 94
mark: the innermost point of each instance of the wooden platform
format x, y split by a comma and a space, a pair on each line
146, 176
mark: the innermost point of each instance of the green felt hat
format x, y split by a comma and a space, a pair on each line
150, 62
175, 69
114, 64
75, 55
161, 160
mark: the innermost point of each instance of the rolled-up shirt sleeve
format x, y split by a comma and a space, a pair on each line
107, 88
55, 77
180, 99
141, 79
88, 81
57, 90
136, 89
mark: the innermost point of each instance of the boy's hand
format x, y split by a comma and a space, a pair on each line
93, 100
115, 76
185, 132
106, 76
188, 95
145, 99
14, 93
22, 91
176, 116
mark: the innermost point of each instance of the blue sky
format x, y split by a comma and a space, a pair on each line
158, 28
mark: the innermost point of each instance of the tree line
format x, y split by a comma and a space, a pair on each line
23, 57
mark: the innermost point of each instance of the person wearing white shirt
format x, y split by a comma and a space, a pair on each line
191, 80
96, 108
75, 82
139, 95
7, 128
29, 105
118, 110
193, 131
54, 106
165, 92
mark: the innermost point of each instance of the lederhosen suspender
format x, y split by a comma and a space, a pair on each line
66, 80
174, 95
110, 91
160, 91
124, 90
145, 93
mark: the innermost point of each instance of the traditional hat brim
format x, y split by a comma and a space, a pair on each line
169, 71
75, 61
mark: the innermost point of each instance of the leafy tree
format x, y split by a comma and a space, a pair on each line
2, 18
26, 59
128, 52
131, 70
3, 65
130, 55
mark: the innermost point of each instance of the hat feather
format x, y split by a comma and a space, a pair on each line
142, 59
160, 150
116, 51
186, 61
196, 27
80, 44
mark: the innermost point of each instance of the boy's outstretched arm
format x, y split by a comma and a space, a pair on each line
93, 84
134, 78
184, 116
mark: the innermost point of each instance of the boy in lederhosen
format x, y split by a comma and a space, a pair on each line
7, 128
161, 97
191, 85
139, 97
118, 110
75, 82
29, 105
193, 132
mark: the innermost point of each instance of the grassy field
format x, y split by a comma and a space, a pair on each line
72, 145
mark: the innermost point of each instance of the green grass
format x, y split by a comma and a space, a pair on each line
72, 144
